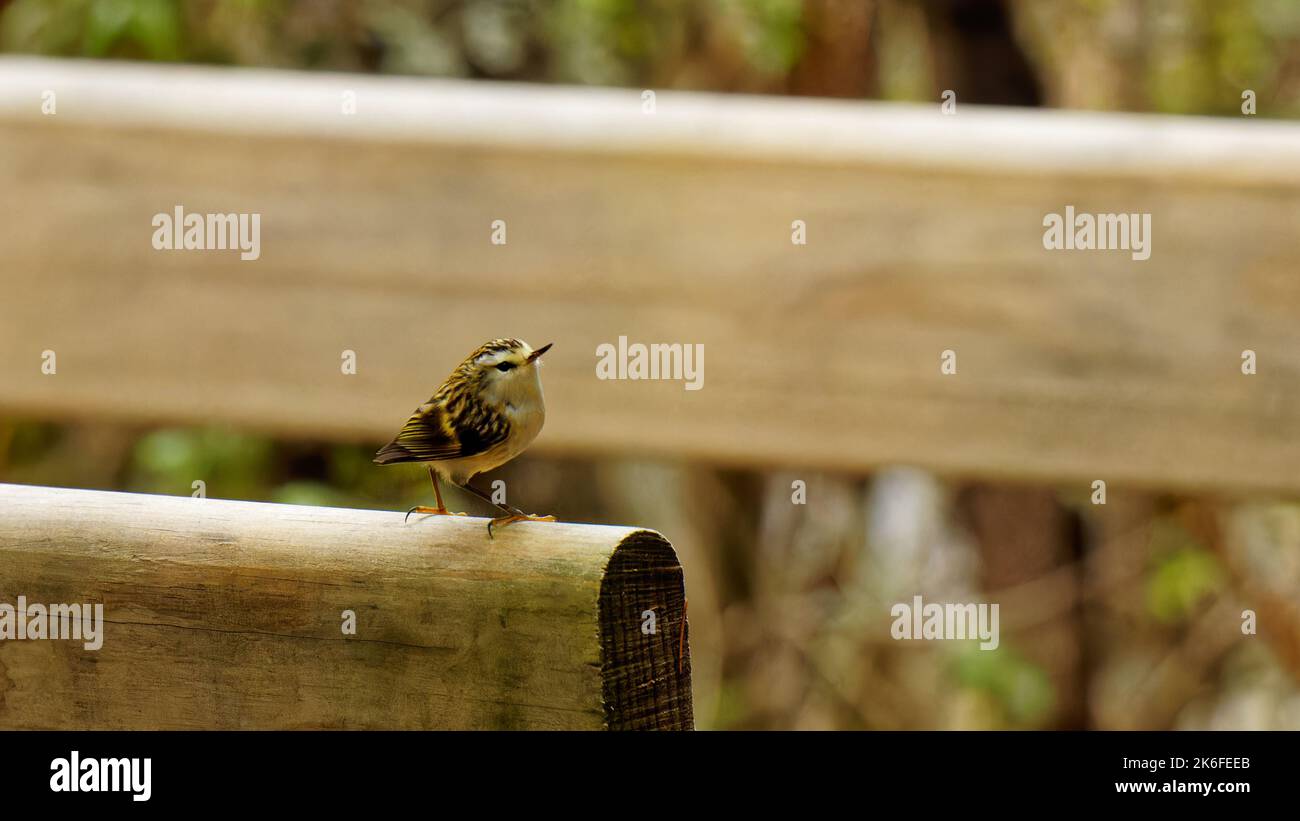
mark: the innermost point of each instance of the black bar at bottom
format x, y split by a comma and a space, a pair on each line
334, 770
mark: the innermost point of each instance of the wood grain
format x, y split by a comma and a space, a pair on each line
228, 615
924, 234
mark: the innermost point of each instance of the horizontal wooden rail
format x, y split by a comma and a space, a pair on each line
924, 234
220, 614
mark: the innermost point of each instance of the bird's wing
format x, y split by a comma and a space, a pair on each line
432, 434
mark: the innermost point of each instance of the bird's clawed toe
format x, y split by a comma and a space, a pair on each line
430, 511
502, 521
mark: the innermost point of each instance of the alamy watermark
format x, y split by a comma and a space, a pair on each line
1098, 232
653, 361
933, 622
77, 774
75, 622
180, 231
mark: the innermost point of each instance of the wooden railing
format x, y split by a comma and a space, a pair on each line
228, 615
924, 235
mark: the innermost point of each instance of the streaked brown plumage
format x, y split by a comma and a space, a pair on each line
455, 423
486, 412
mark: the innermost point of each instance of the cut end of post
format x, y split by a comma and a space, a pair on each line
645, 659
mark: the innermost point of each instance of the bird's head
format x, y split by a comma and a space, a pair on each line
507, 369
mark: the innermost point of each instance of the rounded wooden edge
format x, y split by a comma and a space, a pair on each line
645, 658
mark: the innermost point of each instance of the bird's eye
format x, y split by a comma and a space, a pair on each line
505, 366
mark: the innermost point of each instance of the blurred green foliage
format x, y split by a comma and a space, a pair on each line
1020, 688
169, 459
1188, 56
1184, 573
582, 41
231, 464
137, 29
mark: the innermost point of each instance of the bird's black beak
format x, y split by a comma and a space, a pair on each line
535, 355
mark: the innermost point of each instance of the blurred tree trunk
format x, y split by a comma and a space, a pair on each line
839, 58
1024, 535
976, 53
1102, 64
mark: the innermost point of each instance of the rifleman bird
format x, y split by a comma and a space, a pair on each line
486, 413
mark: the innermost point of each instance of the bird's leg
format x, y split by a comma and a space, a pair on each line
468, 488
513, 514
437, 491
441, 509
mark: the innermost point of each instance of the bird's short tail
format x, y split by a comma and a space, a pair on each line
393, 452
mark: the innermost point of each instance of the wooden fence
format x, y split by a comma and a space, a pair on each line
924, 234
240, 615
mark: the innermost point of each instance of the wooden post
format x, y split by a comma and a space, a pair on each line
221, 614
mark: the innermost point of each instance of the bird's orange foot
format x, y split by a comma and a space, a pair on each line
502, 521
430, 511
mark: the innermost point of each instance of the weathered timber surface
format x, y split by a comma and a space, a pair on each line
924, 234
222, 614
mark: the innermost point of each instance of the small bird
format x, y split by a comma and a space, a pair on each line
485, 414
